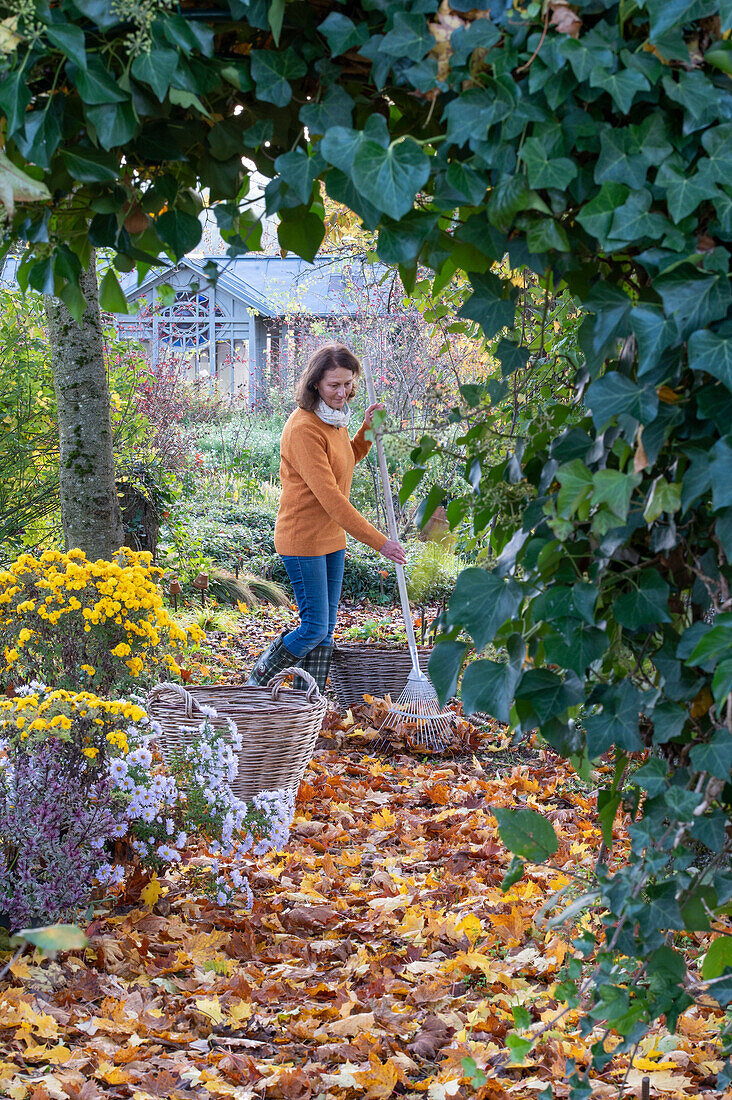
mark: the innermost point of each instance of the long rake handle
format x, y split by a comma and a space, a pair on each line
393, 534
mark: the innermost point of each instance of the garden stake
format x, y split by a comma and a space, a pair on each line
416, 715
201, 582
174, 591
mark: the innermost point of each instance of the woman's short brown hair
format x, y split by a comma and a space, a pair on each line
329, 357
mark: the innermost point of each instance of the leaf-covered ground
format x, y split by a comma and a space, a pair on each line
380, 955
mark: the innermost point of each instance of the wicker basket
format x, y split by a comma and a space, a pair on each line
278, 728
358, 670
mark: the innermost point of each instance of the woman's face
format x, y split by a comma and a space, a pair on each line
336, 386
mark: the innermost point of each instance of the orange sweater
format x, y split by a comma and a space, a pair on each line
315, 471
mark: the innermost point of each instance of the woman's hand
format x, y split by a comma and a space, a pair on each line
394, 551
368, 416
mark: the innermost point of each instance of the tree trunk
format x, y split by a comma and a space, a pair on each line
90, 510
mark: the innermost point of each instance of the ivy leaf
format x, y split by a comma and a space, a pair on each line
410, 37
299, 170
654, 332
488, 686
70, 40
180, 231
481, 603
547, 235
713, 354
95, 84
665, 497
623, 86
614, 488
646, 605
470, 115
720, 468
88, 166
302, 234
620, 159
272, 72
716, 756
342, 34
544, 170
511, 357
527, 833
390, 178
617, 723
52, 938
189, 35
718, 958
614, 394
115, 123
543, 695
632, 221
596, 215
693, 298
579, 649
445, 663
14, 98
156, 68
111, 295
685, 191
576, 484
487, 304
334, 108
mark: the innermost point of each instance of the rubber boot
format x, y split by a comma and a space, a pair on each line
317, 663
272, 661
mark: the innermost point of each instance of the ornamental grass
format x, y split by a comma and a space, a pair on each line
71, 622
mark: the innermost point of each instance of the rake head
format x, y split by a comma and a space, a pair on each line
416, 717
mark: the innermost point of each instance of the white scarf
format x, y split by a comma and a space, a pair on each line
337, 418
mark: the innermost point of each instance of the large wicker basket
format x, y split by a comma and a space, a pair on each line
278, 728
358, 670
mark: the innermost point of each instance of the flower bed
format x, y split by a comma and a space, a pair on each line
84, 801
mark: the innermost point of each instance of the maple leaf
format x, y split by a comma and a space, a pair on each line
379, 1080
150, 893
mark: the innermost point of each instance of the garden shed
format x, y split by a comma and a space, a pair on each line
230, 318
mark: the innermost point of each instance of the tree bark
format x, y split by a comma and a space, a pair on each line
90, 510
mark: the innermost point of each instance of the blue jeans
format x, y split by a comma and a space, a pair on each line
317, 582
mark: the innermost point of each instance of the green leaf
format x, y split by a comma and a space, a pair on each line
468, 183
544, 170
488, 686
607, 808
543, 695
507, 198
664, 497
512, 357
410, 481
180, 231
14, 98
272, 73
722, 682
576, 486
488, 305
521, 1017
596, 216
654, 333
473, 1073
715, 644
302, 234
111, 295
713, 354
513, 874
547, 235
156, 68
444, 667
615, 489
114, 123
70, 40
335, 107
718, 958
481, 603
617, 723
88, 166
96, 84
623, 86
527, 833
652, 777
614, 394
410, 37
470, 114
714, 757
646, 605
275, 18
720, 469
621, 159
342, 34
188, 34
577, 649
299, 170
632, 221
100, 12
685, 191
390, 178
693, 298
51, 938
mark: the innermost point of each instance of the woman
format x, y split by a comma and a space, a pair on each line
317, 461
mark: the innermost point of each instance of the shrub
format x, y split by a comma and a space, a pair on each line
62, 616
432, 569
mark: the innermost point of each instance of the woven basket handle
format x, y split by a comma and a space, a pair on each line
277, 681
191, 704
